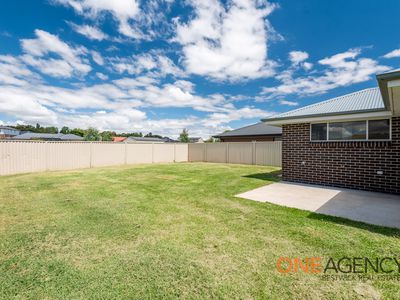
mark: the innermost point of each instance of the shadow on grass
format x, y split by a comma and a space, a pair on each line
387, 231
274, 176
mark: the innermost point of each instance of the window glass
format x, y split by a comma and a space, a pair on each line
348, 130
318, 132
379, 129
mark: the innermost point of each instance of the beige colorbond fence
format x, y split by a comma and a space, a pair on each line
250, 153
28, 156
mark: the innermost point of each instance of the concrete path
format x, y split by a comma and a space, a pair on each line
374, 208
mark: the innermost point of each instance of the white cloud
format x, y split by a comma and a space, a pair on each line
91, 32
122, 11
14, 72
342, 69
289, 103
101, 76
98, 59
157, 64
297, 57
70, 59
227, 43
392, 54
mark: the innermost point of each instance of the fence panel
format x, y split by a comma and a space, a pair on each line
67, 156
216, 153
181, 152
269, 153
196, 152
22, 157
107, 154
163, 153
240, 153
139, 153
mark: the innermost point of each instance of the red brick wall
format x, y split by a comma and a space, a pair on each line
342, 164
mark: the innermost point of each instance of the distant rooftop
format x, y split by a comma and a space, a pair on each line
48, 136
367, 100
144, 139
253, 130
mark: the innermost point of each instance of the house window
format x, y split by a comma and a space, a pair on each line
319, 132
351, 131
379, 129
348, 131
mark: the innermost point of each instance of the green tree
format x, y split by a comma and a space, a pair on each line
184, 136
153, 135
64, 130
78, 132
92, 134
106, 136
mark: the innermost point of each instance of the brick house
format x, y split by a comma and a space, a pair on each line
352, 141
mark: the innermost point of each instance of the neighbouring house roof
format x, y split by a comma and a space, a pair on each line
368, 100
252, 130
144, 139
9, 130
195, 140
118, 138
48, 136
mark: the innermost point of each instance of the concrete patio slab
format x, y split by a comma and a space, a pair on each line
373, 208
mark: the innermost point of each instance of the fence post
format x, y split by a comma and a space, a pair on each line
46, 143
205, 152
227, 153
253, 153
152, 153
174, 152
126, 154
90, 155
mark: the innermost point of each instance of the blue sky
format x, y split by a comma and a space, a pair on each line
206, 65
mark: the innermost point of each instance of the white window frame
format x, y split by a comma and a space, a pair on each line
360, 140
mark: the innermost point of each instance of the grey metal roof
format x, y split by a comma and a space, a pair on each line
252, 130
71, 137
143, 139
8, 128
361, 101
48, 136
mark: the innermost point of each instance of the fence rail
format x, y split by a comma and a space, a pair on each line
37, 156
251, 153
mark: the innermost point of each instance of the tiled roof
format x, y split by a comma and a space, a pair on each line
361, 101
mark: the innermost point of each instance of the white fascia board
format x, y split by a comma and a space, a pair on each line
393, 83
350, 117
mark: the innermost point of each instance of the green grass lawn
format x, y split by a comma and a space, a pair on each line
167, 231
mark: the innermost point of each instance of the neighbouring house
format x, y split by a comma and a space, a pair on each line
197, 140
260, 132
352, 141
169, 140
48, 137
8, 132
137, 139
118, 139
